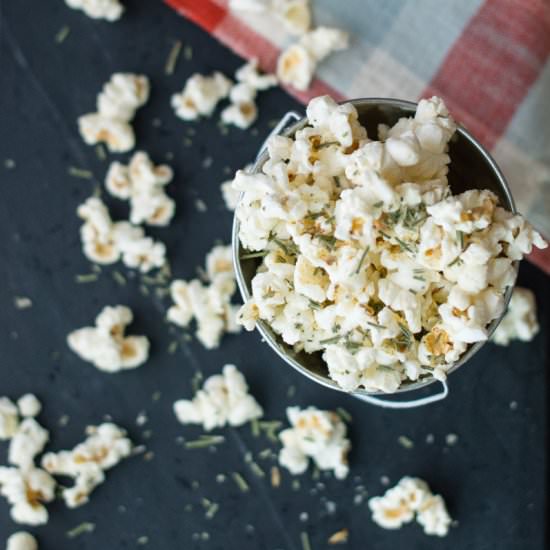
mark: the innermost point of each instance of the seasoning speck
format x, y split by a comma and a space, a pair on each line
405, 442
84, 527
22, 302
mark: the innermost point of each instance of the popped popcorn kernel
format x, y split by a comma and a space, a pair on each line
316, 434
106, 345
21, 541
224, 399
520, 321
110, 10
105, 446
29, 405
209, 304
411, 498
117, 103
9, 418
365, 254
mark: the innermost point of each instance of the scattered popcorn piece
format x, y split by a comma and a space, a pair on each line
106, 242
200, 95
224, 399
26, 490
106, 345
520, 321
366, 256
105, 446
111, 10
316, 434
295, 15
242, 112
210, 305
116, 106
142, 183
21, 541
229, 193
410, 497
9, 418
297, 64
28, 441
29, 405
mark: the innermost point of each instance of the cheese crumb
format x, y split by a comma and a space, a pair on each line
209, 304
105, 446
106, 242
200, 95
316, 434
297, 63
411, 498
142, 183
110, 10
106, 346
21, 541
224, 399
116, 107
520, 321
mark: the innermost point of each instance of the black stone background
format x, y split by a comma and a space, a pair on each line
494, 477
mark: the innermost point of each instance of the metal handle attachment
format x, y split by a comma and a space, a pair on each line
387, 404
291, 116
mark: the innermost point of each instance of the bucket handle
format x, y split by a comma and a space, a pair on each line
291, 116
413, 403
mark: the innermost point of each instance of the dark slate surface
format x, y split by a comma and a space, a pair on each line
493, 478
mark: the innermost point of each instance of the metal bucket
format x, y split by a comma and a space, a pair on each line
471, 168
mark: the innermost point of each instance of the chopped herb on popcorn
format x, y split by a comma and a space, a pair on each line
366, 256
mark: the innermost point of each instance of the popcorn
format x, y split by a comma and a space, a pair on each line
106, 345
229, 193
316, 434
21, 541
106, 242
26, 490
295, 15
200, 95
297, 64
116, 106
365, 254
105, 446
110, 10
224, 399
520, 321
29, 405
242, 111
9, 419
209, 304
142, 183
28, 441
409, 498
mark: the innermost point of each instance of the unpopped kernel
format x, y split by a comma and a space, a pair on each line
368, 257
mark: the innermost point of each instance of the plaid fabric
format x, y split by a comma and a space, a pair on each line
488, 59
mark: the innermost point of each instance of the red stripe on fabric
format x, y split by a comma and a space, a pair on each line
541, 258
206, 13
493, 64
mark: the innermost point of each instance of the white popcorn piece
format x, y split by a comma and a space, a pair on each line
26, 490
209, 304
142, 183
117, 103
411, 498
9, 418
224, 399
110, 10
366, 256
21, 541
200, 95
229, 193
242, 112
106, 242
105, 446
297, 64
520, 321
29, 406
316, 434
28, 441
106, 345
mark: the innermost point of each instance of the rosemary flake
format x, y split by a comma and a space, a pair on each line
172, 59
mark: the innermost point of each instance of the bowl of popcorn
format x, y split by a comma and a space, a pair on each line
376, 245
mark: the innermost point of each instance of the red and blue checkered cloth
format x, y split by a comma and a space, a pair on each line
488, 59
